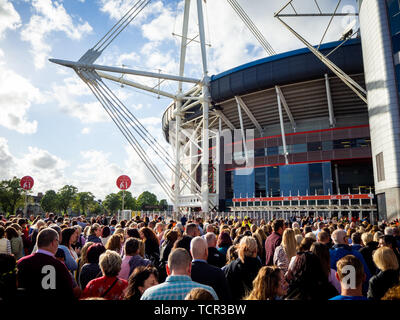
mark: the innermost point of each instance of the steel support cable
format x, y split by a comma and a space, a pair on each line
172, 166
132, 141
239, 10
350, 82
319, 9
243, 15
135, 126
139, 125
150, 144
123, 25
116, 24
329, 24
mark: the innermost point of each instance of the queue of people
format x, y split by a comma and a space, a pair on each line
303, 258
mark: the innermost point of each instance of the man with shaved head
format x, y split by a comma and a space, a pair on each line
215, 257
206, 273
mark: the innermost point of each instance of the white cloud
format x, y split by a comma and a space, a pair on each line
85, 130
9, 17
75, 99
50, 16
47, 170
17, 94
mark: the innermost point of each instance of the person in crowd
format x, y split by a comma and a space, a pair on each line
94, 233
307, 279
322, 252
351, 289
137, 259
388, 276
269, 284
199, 294
43, 268
131, 248
170, 236
8, 277
214, 258
356, 241
115, 243
273, 241
320, 227
151, 244
68, 238
5, 245
109, 286
82, 259
105, 235
224, 242
286, 250
140, 280
206, 273
178, 283
392, 294
369, 246
241, 272
341, 249
389, 241
160, 229
35, 231
91, 269
16, 242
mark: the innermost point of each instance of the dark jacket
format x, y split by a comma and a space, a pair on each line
366, 252
216, 258
93, 238
240, 276
137, 261
380, 283
273, 241
212, 276
89, 272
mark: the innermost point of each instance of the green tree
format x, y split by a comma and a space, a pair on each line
49, 202
66, 195
96, 207
129, 201
84, 199
146, 199
163, 203
11, 194
112, 202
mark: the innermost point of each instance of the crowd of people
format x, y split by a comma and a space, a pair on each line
224, 258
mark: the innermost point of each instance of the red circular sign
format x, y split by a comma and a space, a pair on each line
26, 183
123, 182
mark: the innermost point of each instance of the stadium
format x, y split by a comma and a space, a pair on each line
325, 125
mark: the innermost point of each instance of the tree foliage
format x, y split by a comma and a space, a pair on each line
11, 194
146, 199
66, 195
49, 202
112, 202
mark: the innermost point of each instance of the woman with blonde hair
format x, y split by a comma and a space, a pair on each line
241, 272
270, 284
386, 261
286, 250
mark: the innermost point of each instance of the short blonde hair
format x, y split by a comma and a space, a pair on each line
377, 234
247, 247
110, 263
367, 237
385, 259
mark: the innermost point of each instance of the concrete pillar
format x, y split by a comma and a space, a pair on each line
383, 104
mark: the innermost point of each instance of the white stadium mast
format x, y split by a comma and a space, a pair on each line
185, 192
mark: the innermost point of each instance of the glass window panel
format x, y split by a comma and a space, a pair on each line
259, 152
327, 145
260, 182
273, 181
316, 178
271, 151
297, 148
314, 146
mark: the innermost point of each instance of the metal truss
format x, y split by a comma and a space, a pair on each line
353, 85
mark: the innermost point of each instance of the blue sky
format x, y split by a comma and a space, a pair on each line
53, 129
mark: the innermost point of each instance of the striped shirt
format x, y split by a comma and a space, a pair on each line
174, 288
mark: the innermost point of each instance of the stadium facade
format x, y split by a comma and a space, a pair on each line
313, 136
